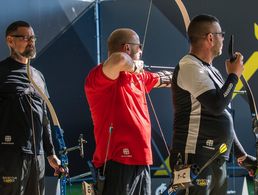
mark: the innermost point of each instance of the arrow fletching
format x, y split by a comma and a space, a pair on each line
223, 148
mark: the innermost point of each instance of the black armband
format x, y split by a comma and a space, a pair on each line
165, 77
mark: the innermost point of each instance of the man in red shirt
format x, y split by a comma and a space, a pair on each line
116, 93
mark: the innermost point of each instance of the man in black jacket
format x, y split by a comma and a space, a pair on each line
25, 133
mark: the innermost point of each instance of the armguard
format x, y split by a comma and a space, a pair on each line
165, 77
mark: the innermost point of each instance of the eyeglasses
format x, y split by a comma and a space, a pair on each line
139, 44
218, 33
26, 38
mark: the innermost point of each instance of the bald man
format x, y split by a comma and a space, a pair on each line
116, 92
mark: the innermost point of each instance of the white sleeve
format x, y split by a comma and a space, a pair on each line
194, 78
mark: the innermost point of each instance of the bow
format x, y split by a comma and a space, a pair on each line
252, 105
57, 129
253, 109
149, 98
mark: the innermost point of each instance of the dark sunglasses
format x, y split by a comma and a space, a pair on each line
25, 37
139, 44
218, 33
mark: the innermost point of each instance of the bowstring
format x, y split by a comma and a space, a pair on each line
146, 25
148, 95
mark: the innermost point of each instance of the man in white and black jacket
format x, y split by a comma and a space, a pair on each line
201, 98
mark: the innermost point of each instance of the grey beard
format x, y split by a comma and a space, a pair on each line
29, 54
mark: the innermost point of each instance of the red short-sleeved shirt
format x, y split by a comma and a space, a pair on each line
122, 104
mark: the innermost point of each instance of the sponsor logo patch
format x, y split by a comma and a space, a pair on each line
126, 153
209, 144
7, 140
9, 179
202, 182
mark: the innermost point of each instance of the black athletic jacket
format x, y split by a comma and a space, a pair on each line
22, 110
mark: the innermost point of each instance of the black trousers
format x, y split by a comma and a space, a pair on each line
213, 179
126, 179
19, 176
